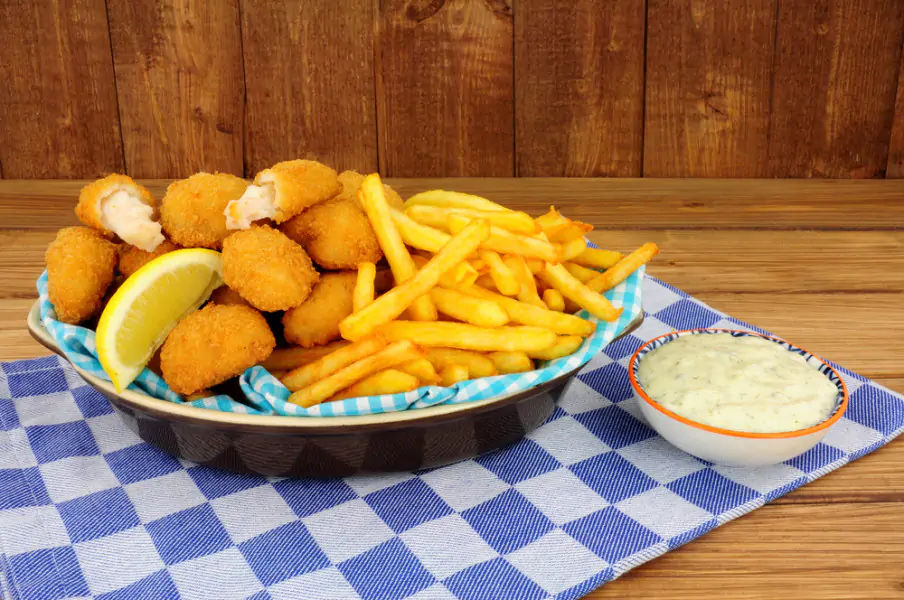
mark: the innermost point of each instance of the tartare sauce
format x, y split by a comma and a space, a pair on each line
744, 383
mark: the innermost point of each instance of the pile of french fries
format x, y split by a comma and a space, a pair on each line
480, 290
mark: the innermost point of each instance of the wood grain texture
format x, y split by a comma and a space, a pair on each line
309, 75
58, 113
179, 80
709, 64
445, 88
895, 168
579, 88
836, 67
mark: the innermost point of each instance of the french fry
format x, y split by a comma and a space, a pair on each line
571, 249
363, 293
286, 359
417, 235
535, 265
390, 356
553, 299
527, 314
391, 304
598, 259
582, 274
512, 362
479, 265
470, 337
565, 345
620, 271
596, 304
527, 291
570, 231
278, 374
372, 200
461, 274
435, 216
503, 278
422, 369
327, 365
468, 309
388, 381
505, 242
486, 282
477, 364
451, 200
453, 374
552, 221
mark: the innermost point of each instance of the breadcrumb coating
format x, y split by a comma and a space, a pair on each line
336, 234
316, 320
80, 267
192, 209
131, 258
114, 205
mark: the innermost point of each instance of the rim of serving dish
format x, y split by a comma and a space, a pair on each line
839, 411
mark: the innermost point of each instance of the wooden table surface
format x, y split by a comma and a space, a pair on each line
818, 262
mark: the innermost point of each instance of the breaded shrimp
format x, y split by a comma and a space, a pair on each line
80, 267
267, 269
212, 345
132, 258
192, 209
118, 205
227, 296
351, 182
316, 320
283, 191
336, 234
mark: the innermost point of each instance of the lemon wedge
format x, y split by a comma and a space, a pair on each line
149, 304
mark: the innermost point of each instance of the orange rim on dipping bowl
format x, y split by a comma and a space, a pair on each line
840, 407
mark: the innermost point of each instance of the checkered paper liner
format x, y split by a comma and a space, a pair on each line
87, 510
265, 395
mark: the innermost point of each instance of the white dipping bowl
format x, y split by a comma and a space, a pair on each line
725, 446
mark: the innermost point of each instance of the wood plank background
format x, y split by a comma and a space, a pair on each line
625, 88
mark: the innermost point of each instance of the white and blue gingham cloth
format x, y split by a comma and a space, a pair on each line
87, 510
266, 395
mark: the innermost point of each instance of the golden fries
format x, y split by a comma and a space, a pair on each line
388, 381
565, 345
422, 369
598, 259
527, 314
527, 291
620, 271
468, 309
363, 293
391, 304
417, 235
452, 200
390, 356
582, 274
552, 221
559, 278
435, 216
570, 231
553, 299
372, 200
503, 278
470, 337
571, 249
477, 364
330, 363
453, 374
283, 359
512, 362
505, 242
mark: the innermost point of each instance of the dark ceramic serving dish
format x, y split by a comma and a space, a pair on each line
328, 446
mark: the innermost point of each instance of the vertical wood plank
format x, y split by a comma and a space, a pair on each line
179, 80
58, 114
709, 64
579, 88
445, 96
896, 144
835, 71
309, 73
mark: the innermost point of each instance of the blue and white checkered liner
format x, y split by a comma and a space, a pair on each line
87, 510
270, 397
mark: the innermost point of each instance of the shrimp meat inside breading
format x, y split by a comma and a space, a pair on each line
116, 204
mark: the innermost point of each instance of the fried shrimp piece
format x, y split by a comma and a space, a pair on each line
227, 296
80, 266
118, 205
316, 320
283, 191
132, 258
267, 269
212, 345
351, 182
192, 209
336, 234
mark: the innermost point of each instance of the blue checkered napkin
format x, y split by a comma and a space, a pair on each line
89, 511
268, 396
